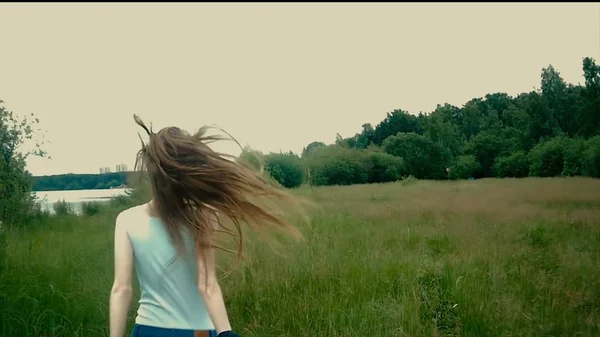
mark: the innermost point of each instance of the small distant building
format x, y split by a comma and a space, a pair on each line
121, 168
104, 170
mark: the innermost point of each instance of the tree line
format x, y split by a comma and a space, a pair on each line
552, 131
73, 181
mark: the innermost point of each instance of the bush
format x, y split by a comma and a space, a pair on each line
464, 168
336, 165
62, 207
590, 159
285, 168
90, 208
382, 167
573, 150
547, 158
515, 165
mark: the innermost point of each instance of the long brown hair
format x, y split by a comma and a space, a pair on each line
192, 185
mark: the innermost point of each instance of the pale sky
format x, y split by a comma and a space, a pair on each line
275, 76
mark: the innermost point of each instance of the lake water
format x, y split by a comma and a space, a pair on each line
77, 197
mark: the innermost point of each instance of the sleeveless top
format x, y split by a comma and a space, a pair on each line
168, 283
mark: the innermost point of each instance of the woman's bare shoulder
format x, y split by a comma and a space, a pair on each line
134, 212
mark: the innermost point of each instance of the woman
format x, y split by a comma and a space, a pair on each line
171, 239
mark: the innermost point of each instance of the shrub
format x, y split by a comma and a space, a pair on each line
464, 167
547, 158
573, 151
382, 167
62, 207
336, 165
515, 165
285, 168
590, 159
90, 208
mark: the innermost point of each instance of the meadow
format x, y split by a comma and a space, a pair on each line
491, 257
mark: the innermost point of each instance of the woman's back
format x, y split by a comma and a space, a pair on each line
193, 188
168, 283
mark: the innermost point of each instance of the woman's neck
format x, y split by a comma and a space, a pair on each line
150, 208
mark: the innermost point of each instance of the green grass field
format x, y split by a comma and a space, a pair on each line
415, 258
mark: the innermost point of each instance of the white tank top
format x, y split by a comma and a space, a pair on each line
169, 292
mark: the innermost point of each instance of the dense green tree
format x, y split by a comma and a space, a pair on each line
422, 157
308, 149
441, 129
542, 124
16, 132
486, 146
397, 121
556, 92
590, 110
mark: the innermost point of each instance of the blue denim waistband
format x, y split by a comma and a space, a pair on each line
151, 331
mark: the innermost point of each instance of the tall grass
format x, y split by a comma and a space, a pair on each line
512, 257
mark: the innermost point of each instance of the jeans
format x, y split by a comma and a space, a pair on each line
150, 331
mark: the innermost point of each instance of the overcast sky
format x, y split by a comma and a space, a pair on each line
275, 76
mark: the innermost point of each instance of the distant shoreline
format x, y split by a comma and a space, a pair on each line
73, 182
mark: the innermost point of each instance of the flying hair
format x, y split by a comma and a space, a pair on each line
194, 188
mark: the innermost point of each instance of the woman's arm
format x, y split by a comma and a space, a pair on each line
209, 288
120, 296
